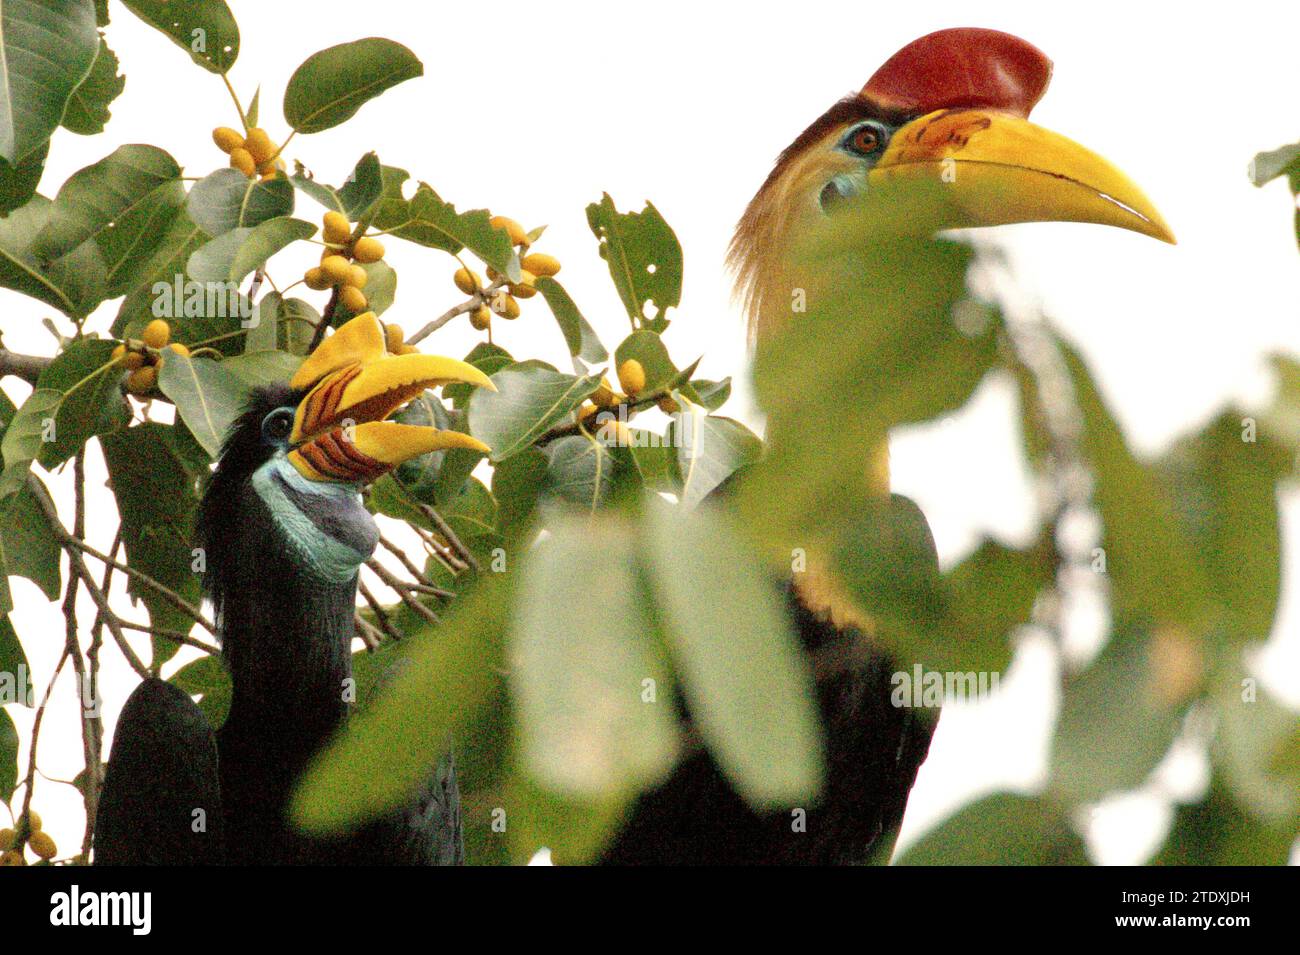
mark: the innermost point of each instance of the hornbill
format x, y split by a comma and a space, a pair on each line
938, 138
283, 532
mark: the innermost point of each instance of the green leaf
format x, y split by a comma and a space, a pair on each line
517, 485
330, 86
1218, 831
530, 398
207, 397
1120, 716
14, 661
87, 110
161, 269
363, 187
747, 685
18, 183
578, 333
125, 203
1001, 829
258, 368
1224, 486
586, 725
94, 407
229, 257
8, 755
74, 283
30, 549
46, 50
712, 394
644, 259
157, 496
205, 29
426, 220
579, 470
1267, 166
381, 286
709, 450
1149, 558
574, 829
648, 348
25, 436
208, 679
227, 199
451, 672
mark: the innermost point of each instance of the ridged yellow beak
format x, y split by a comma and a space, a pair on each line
976, 167
339, 431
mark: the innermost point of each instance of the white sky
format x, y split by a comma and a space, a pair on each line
686, 104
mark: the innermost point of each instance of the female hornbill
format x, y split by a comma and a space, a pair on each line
937, 139
283, 534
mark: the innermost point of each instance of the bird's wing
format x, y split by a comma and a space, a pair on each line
161, 801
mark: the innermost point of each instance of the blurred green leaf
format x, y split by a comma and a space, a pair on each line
579, 471
1119, 717
709, 450
332, 84
1217, 831
747, 684
29, 546
1001, 829
388, 749
581, 665
1267, 166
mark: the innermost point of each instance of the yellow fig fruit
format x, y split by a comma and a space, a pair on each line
631, 376
315, 279
227, 139
43, 845
668, 405
524, 287
259, 145
353, 299
367, 249
467, 281
357, 276
605, 396
336, 268
156, 334
118, 354
481, 318
242, 159
11, 858
407, 350
33, 820
336, 228
394, 338
516, 232
142, 380
7, 839
179, 349
586, 412
505, 306
133, 360
541, 264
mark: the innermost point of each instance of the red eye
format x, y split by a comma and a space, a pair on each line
865, 140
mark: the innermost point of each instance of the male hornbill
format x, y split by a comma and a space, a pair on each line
937, 139
283, 534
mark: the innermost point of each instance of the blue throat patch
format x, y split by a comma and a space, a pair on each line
315, 518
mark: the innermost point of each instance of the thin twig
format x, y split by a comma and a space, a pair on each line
73, 547
401, 590
173, 598
466, 306
326, 320
22, 827
176, 636
445, 530
371, 637
380, 613
396, 583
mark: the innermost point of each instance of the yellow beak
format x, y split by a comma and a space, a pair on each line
340, 432
975, 167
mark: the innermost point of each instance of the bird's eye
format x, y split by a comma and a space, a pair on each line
865, 140
278, 424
